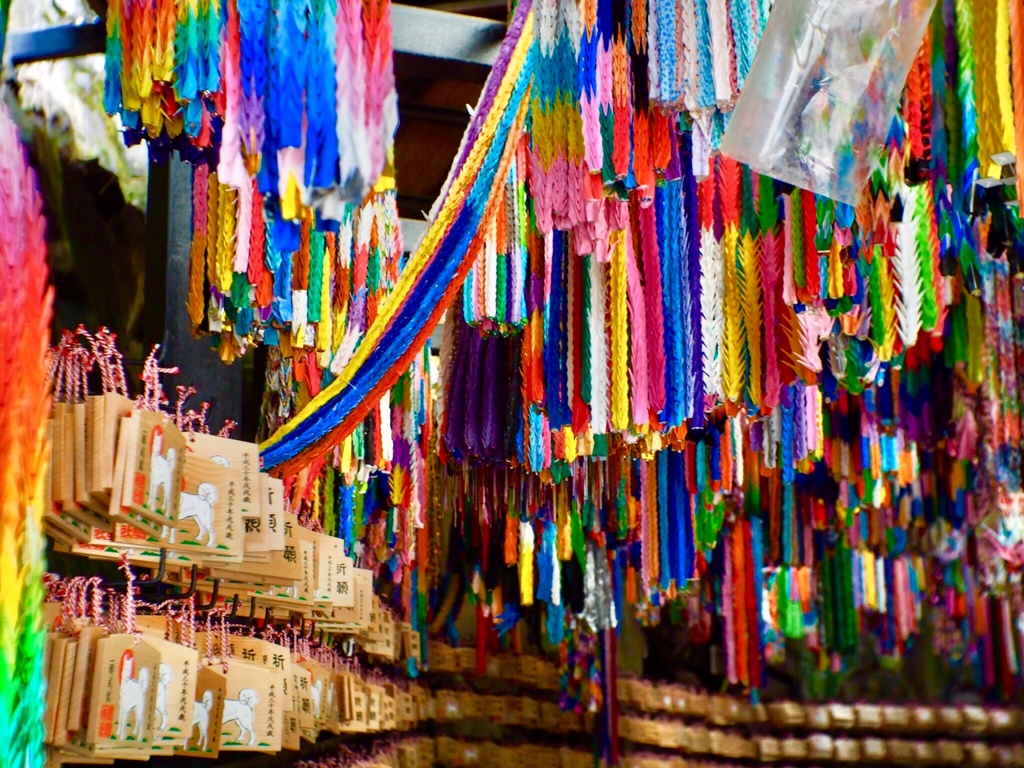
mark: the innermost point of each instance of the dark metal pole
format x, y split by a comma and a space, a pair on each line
169, 225
55, 43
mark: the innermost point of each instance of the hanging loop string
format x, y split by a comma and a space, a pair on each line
96, 601
181, 418
225, 644
187, 622
128, 614
114, 360
153, 398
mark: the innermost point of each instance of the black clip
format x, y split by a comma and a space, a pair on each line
268, 618
213, 598
160, 595
235, 602
252, 608
193, 580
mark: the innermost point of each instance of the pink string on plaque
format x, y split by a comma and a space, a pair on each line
114, 611
113, 360
53, 363
181, 417
60, 368
88, 359
225, 644
73, 599
106, 377
54, 586
188, 623
74, 375
208, 651
202, 418
152, 398
307, 649
96, 600
85, 361
128, 603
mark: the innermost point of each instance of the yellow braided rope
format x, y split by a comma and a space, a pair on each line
1004, 91
986, 89
888, 309
446, 216
732, 333
324, 329
226, 237
750, 283
438, 229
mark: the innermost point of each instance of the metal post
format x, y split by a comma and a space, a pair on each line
169, 225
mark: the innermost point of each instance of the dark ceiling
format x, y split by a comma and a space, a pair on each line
434, 115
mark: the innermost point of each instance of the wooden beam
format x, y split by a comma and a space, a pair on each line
55, 43
426, 42
484, 8
444, 45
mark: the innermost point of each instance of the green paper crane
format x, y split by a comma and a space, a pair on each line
5, 13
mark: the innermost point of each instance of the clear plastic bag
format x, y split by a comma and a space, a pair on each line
818, 103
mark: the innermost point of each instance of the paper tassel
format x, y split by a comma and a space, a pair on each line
638, 378
711, 293
732, 333
599, 404
907, 278
619, 345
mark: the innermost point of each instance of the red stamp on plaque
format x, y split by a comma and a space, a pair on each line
130, 532
106, 721
139, 490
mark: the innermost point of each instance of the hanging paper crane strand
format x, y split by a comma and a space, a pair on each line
433, 275
24, 454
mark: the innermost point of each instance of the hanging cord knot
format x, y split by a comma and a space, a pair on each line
128, 604
153, 397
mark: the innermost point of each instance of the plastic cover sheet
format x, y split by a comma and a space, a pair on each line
821, 95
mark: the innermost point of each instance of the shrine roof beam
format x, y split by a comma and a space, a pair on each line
427, 43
